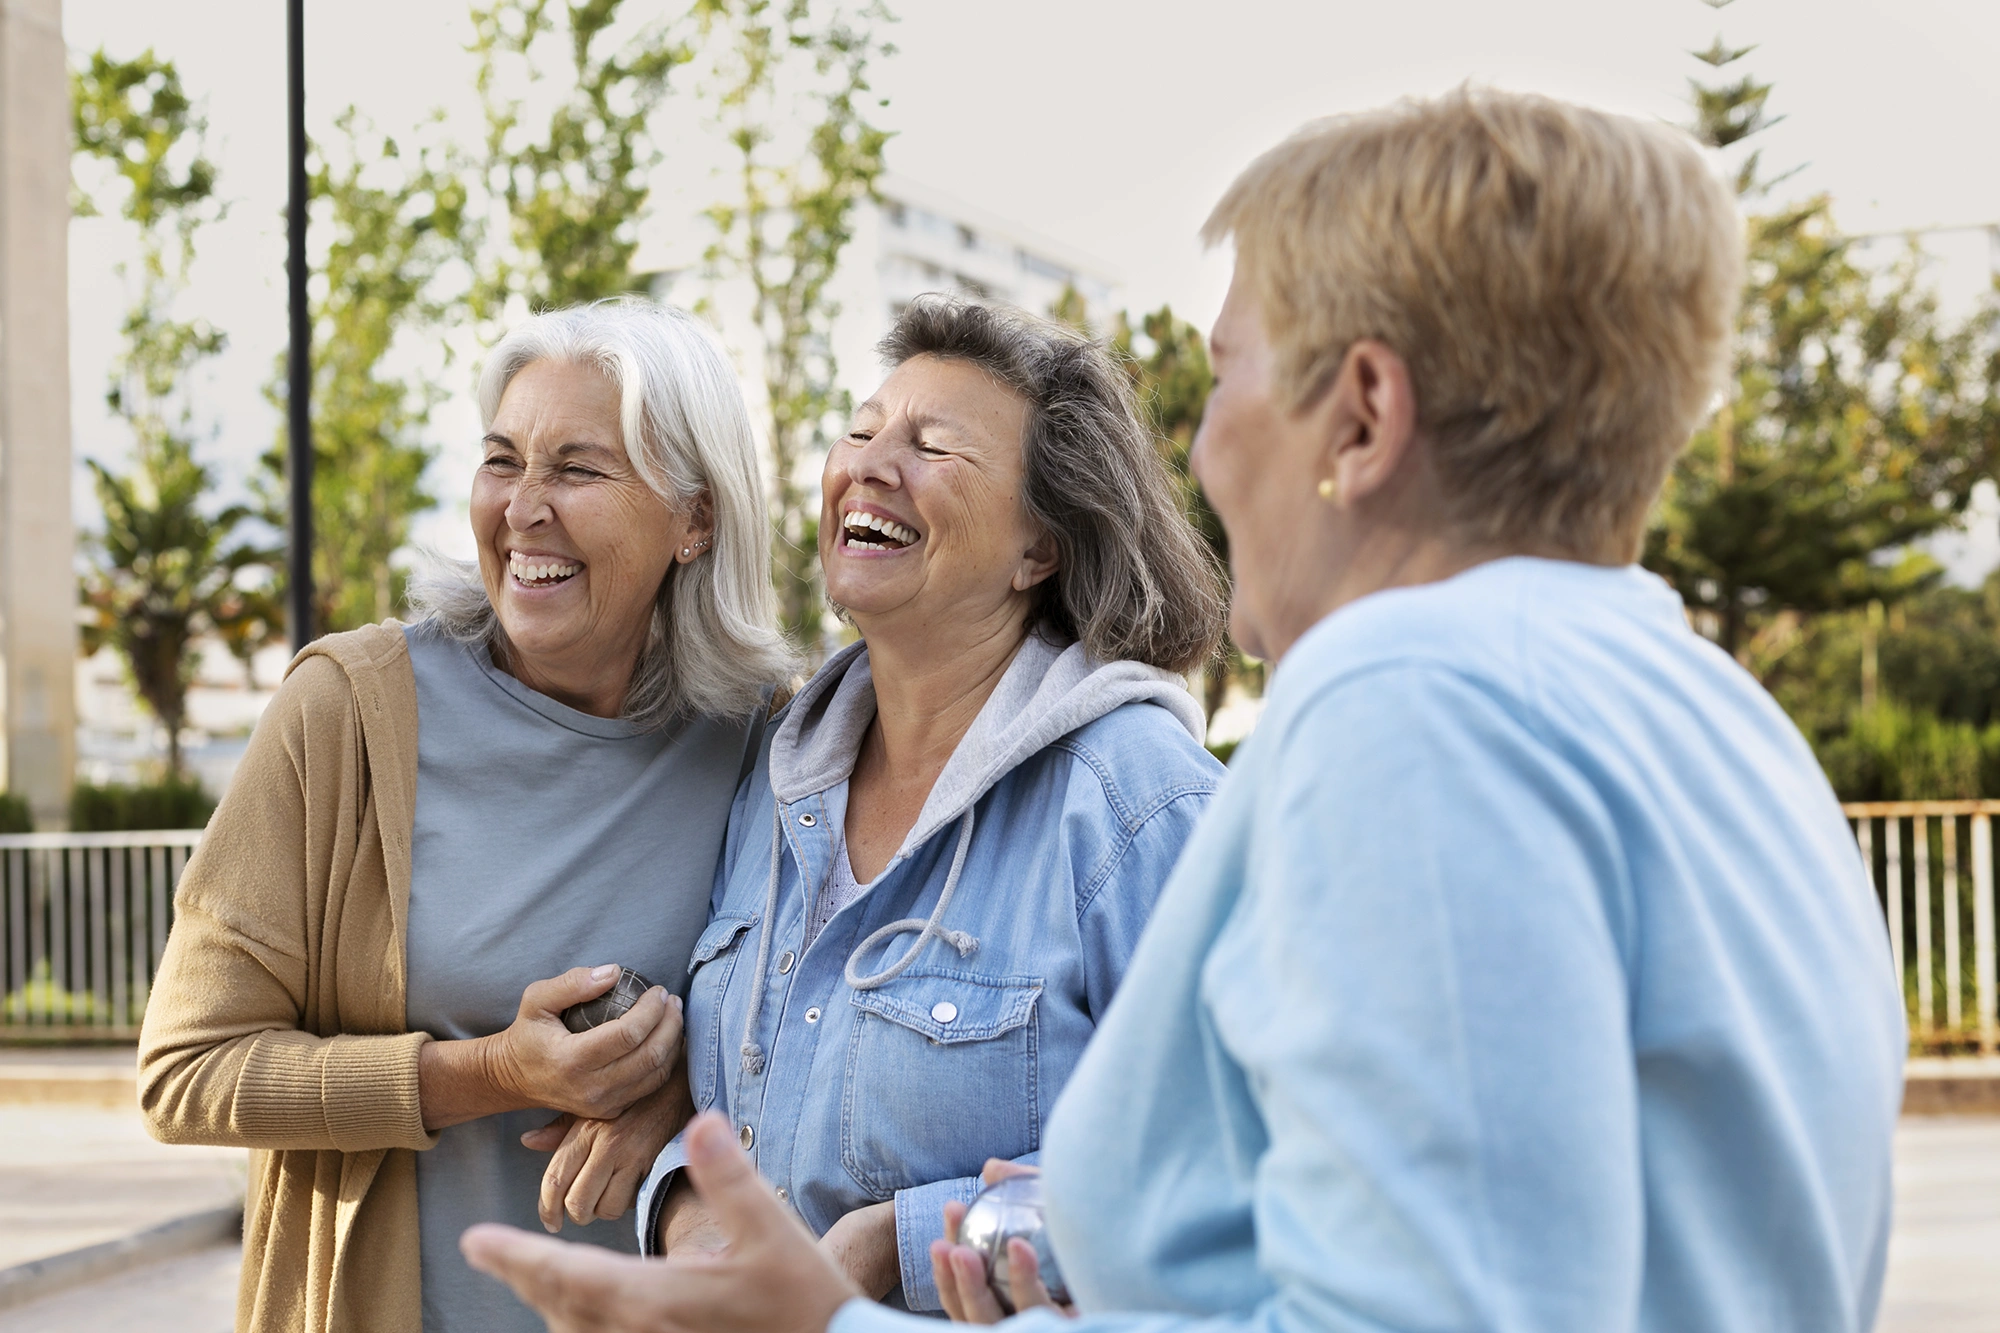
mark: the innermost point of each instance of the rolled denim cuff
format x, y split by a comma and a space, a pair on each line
919, 1221
654, 1192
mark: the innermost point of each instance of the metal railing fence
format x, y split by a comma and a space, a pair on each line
1931, 865
83, 922
84, 919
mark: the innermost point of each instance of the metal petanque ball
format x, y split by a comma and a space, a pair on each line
1011, 1209
608, 1007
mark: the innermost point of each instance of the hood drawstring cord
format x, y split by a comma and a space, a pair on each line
753, 1054
957, 939
967, 945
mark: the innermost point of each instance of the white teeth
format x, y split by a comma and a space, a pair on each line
530, 572
858, 521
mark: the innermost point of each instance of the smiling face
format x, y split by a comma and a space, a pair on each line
922, 521
573, 544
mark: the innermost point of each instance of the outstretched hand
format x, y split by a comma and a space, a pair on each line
772, 1277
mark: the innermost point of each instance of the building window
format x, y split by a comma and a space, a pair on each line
898, 215
1041, 267
967, 237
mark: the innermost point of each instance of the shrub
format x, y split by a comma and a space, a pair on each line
1895, 753
15, 816
176, 803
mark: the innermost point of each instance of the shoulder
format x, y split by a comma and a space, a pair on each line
336, 680
1137, 759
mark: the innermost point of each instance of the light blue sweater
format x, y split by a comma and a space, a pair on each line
1523, 976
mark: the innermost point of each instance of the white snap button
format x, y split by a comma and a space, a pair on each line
812, 1015
785, 961
746, 1136
807, 820
944, 1011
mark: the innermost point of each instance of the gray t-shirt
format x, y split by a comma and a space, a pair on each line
545, 839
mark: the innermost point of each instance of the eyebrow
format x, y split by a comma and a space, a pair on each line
562, 451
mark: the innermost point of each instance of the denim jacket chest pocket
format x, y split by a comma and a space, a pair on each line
942, 1073
713, 961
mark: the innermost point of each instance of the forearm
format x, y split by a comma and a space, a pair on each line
463, 1080
222, 1060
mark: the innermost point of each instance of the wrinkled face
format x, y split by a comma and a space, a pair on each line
572, 543
922, 510
1260, 466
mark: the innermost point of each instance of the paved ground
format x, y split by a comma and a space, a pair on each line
1944, 1257
75, 1175
72, 1176
193, 1294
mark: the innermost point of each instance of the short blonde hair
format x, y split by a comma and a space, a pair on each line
1562, 283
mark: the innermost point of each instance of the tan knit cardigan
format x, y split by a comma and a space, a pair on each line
276, 1022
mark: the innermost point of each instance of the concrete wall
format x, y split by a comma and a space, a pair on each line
37, 543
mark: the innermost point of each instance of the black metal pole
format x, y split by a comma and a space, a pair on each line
298, 397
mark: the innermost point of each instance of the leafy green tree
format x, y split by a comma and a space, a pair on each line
1168, 360
573, 193
793, 81
167, 570
397, 222
1856, 422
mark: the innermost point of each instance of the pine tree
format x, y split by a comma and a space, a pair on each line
1855, 423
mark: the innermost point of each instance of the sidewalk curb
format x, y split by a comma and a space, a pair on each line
57, 1272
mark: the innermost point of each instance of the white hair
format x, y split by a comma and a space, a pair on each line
715, 645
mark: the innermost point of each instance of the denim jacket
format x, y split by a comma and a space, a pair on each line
932, 1022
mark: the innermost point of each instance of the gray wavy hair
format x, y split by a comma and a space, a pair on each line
715, 646
1133, 581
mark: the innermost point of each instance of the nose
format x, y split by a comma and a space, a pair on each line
872, 462
528, 508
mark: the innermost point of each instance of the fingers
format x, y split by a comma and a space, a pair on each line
947, 1281
954, 1218
593, 1174
1024, 1276
550, 1136
975, 1297
572, 1286
555, 994
651, 1035
998, 1169
729, 1187
621, 1192
559, 1178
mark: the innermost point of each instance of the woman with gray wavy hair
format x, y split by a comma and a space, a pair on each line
533, 781
937, 874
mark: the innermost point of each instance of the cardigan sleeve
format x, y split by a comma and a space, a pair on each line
246, 1041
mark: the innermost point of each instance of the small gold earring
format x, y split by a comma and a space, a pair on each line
1329, 489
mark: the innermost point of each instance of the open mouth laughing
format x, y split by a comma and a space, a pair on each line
863, 531
541, 571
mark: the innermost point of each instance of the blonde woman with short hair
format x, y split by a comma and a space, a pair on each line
445, 834
1523, 975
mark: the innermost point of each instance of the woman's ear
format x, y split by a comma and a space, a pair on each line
1037, 563
1369, 418
699, 533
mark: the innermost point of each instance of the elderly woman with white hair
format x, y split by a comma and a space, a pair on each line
531, 782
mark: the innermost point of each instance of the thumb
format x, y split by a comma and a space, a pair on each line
739, 1199
556, 994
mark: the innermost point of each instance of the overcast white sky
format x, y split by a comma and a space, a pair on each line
1110, 125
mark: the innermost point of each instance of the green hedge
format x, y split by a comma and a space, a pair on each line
15, 816
172, 804
1894, 753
